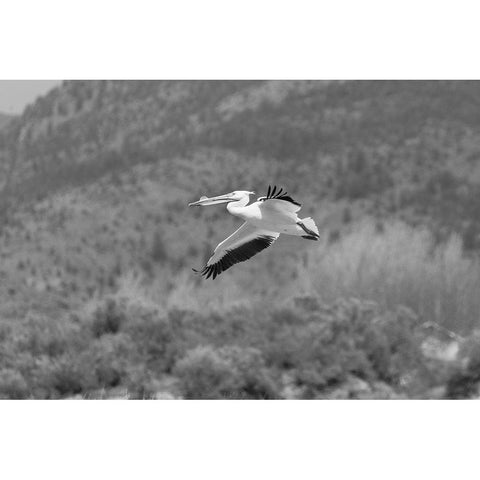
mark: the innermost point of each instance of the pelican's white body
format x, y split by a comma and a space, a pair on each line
275, 215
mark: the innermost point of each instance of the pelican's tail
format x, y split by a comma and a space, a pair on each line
310, 227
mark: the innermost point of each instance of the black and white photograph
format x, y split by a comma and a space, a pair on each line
240, 239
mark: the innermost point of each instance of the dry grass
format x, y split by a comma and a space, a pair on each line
401, 265
172, 290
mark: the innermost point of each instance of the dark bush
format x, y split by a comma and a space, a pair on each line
228, 372
108, 318
13, 385
63, 376
106, 362
155, 339
465, 382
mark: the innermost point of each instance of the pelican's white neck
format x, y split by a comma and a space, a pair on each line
234, 207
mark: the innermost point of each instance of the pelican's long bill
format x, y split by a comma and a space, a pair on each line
205, 201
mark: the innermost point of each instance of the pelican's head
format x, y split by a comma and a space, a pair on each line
235, 196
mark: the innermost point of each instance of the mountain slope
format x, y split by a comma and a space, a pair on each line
396, 142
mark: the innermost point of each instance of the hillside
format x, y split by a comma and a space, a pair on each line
95, 178
410, 149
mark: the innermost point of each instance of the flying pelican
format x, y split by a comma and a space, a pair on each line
265, 220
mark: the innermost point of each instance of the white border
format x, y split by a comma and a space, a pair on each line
239, 439
239, 39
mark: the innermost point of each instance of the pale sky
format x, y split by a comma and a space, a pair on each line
15, 95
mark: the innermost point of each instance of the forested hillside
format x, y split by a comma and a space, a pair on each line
404, 148
97, 242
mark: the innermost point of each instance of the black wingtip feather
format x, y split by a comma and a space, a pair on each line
279, 195
237, 255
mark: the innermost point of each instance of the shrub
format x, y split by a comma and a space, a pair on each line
42, 336
228, 372
464, 384
105, 363
108, 318
465, 381
62, 376
324, 347
13, 385
156, 340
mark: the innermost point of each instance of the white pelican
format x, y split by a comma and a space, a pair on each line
265, 220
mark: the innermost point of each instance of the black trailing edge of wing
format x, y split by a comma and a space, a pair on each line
236, 255
273, 193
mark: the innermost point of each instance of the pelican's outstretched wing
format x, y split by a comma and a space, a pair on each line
279, 200
243, 244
